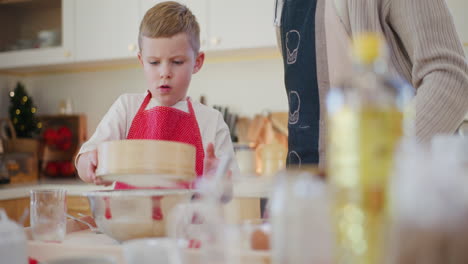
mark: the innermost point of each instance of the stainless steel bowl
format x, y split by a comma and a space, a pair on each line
130, 214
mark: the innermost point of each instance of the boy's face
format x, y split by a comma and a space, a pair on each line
168, 64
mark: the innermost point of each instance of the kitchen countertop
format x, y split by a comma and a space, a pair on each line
87, 244
73, 187
244, 187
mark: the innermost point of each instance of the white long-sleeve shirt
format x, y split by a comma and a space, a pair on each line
116, 123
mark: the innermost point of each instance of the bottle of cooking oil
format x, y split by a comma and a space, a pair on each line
365, 125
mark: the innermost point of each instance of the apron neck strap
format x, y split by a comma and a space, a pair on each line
148, 98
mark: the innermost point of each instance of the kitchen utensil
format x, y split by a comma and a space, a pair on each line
130, 214
232, 127
230, 119
137, 162
92, 228
48, 209
242, 128
225, 113
255, 131
279, 120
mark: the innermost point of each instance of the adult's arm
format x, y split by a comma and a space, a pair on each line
439, 67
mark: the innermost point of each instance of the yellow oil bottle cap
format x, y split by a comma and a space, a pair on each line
367, 47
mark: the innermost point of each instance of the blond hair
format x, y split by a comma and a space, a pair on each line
168, 19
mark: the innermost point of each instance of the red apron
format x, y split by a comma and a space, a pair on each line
165, 123
168, 123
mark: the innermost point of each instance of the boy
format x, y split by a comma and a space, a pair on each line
169, 41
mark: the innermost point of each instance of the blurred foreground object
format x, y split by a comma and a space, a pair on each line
430, 203
13, 247
365, 125
301, 230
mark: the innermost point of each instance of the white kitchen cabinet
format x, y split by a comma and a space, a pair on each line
240, 24
106, 29
103, 30
230, 24
20, 24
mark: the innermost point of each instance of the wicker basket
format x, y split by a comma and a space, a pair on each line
14, 146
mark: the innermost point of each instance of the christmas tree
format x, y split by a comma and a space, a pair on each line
23, 113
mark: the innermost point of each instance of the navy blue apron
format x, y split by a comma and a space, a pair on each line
300, 67
297, 28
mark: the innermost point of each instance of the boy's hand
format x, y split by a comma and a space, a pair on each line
210, 160
86, 167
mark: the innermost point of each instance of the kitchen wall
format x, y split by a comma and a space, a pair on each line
247, 86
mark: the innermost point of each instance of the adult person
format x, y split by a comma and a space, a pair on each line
425, 50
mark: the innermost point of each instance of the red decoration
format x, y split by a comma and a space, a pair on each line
64, 138
50, 135
62, 168
66, 168
60, 138
52, 168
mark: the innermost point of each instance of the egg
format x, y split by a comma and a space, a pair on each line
260, 240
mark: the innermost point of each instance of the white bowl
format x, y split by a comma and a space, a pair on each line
132, 214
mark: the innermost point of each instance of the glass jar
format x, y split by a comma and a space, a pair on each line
273, 158
246, 160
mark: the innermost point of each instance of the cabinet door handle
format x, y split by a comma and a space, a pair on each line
132, 47
67, 54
